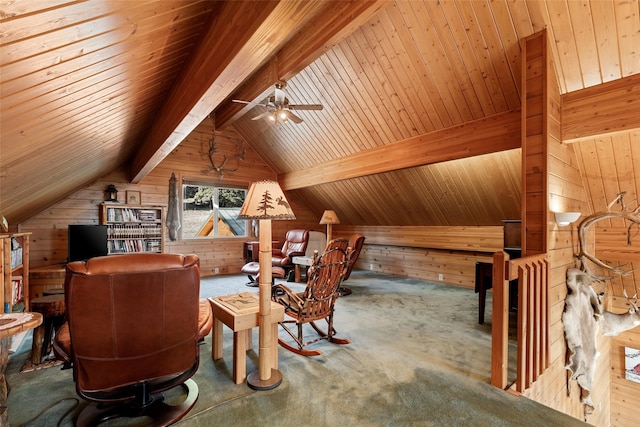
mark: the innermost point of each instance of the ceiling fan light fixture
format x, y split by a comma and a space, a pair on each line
278, 108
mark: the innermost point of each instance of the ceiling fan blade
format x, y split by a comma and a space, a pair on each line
260, 116
295, 119
306, 107
249, 103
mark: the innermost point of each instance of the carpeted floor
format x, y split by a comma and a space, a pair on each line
417, 358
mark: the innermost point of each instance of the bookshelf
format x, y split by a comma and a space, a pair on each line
133, 228
14, 269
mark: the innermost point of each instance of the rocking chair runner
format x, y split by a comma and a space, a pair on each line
318, 299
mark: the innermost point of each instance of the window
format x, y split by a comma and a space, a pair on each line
210, 211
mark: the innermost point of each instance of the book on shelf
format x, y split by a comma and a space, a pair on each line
17, 289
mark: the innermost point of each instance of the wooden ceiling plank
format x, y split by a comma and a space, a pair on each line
340, 128
497, 50
442, 43
478, 43
101, 88
241, 37
409, 72
563, 34
137, 52
509, 40
395, 61
627, 23
77, 111
496, 133
334, 22
452, 26
587, 50
21, 103
365, 102
447, 81
49, 14
386, 102
368, 95
604, 28
370, 132
91, 37
336, 123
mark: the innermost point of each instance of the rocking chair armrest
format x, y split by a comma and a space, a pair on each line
292, 295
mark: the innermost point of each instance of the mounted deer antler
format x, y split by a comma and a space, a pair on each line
222, 168
584, 255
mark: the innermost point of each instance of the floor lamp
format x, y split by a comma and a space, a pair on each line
329, 217
265, 201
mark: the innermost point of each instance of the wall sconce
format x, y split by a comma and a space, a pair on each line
111, 193
565, 218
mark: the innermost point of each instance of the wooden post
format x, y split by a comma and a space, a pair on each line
266, 377
500, 321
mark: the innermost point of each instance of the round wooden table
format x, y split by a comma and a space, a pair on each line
12, 324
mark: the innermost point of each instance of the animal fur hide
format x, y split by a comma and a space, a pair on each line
173, 213
582, 311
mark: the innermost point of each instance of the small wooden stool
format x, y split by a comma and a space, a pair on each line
53, 312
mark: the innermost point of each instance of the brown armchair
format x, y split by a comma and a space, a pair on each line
355, 243
295, 244
132, 333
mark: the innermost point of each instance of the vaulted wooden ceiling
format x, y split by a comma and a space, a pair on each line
90, 85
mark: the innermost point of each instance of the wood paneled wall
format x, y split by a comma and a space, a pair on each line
189, 160
427, 252
562, 190
625, 395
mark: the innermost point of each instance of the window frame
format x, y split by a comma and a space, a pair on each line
215, 202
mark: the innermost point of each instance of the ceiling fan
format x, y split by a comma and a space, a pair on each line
278, 106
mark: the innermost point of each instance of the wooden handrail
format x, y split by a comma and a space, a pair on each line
532, 273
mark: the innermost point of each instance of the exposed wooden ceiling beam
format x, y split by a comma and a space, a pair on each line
489, 135
332, 24
240, 37
601, 110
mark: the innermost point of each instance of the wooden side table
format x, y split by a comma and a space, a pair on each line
298, 261
12, 324
240, 312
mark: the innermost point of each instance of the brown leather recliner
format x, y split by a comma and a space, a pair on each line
356, 242
133, 327
295, 245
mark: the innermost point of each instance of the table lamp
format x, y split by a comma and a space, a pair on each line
329, 217
265, 201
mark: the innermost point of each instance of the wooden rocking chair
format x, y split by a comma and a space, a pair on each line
318, 299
